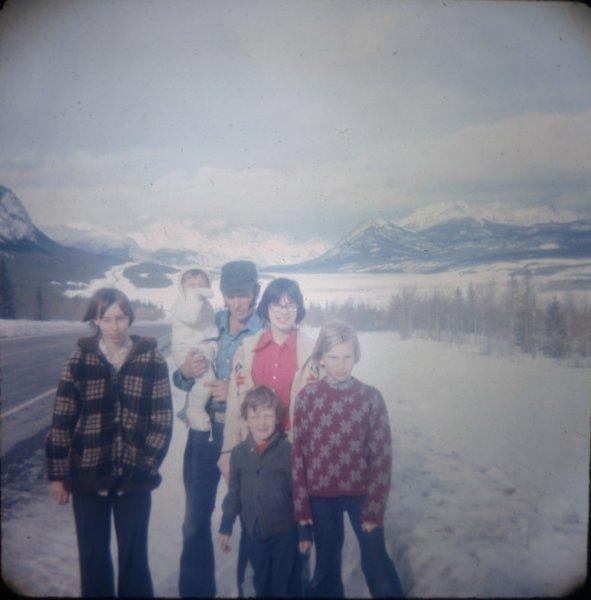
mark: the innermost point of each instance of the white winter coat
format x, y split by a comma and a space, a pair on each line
193, 326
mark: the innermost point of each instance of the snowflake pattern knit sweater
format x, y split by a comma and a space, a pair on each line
341, 446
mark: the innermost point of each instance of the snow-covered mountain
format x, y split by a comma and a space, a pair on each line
450, 243
183, 242
94, 238
495, 212
33, 259
432, 239
15, 224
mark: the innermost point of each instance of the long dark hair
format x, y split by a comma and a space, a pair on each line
102, 300
275, 291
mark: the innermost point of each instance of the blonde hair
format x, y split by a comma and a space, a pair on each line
332, 333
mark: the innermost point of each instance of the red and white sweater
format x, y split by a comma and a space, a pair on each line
341, 447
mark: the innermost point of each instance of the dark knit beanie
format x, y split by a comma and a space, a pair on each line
238, 276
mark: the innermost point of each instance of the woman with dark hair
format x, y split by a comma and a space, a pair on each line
112, 425
279, 357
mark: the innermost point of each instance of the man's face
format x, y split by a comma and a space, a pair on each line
240, 304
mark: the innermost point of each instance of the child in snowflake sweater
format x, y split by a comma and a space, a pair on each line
341, 461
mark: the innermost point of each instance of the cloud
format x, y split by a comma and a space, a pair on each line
513, 149
518, 155
528, 158
80, 165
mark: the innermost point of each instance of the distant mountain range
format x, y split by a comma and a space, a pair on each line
433, 239
385, 246
31, 257
496, 212
181, 243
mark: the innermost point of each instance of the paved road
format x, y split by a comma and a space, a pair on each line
31, 367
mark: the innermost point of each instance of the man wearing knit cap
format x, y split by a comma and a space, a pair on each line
240, 288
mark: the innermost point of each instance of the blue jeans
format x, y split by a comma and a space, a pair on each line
201, 476
275, 561
92, 514
329, 530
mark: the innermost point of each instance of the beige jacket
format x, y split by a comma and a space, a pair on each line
235, 429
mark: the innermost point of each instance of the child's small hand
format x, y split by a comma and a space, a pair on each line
305, 522
58, 492
224, 546
368, 526
305, 546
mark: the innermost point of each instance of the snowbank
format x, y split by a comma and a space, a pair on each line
24, 327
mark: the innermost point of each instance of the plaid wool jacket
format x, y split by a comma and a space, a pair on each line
111, 430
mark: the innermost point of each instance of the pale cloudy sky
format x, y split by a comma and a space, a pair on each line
302, 117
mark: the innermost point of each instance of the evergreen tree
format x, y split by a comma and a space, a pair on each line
510, 305
556, 341
525, 317
435, 316
408, 307
7, 304
471, 309
457, 311
39, 304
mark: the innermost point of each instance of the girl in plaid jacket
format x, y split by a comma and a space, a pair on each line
112, 425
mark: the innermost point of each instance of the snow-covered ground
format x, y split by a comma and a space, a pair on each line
24, 327
489, 491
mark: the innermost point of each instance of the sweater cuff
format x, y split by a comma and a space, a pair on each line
182, 383
373, 516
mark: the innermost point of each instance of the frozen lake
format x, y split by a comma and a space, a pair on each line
372, 288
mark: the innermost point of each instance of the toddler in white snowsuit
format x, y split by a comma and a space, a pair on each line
193, 327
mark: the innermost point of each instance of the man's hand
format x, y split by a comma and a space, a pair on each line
219, 389
368, 527
224, 466
195, 364
58, 492
224, 546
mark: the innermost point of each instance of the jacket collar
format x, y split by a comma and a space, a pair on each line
140, 345
273, 441
253, 324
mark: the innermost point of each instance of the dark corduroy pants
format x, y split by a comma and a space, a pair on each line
92, 513
329, 530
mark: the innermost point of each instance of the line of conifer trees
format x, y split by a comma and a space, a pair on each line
502, 318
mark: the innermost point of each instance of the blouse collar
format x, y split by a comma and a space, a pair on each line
267, 338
